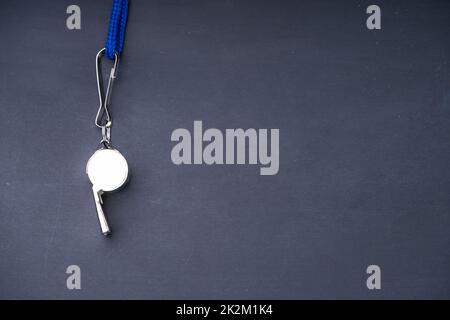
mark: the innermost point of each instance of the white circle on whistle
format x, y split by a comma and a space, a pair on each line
107, 169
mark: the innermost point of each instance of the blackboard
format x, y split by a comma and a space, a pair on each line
364, 148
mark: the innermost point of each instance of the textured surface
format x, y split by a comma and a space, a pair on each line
364, 120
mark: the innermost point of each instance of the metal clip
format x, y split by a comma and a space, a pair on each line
103, 119
106, 135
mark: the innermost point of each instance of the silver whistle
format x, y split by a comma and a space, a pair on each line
108, 172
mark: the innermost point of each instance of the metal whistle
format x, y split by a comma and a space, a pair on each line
107, 170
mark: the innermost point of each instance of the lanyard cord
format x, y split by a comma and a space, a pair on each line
116, 30
113, 48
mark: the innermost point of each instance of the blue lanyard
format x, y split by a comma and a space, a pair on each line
116, 30
113, 48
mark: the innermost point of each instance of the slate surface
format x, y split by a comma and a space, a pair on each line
364, 150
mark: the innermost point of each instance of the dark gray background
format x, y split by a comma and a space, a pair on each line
364, 119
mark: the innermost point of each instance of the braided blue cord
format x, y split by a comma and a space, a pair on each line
116, 31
